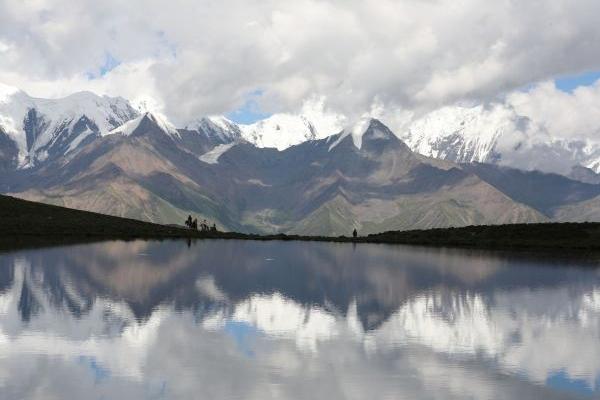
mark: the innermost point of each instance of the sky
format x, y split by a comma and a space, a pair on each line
248, 59
572, 82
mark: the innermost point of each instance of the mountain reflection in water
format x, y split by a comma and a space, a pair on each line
261, 320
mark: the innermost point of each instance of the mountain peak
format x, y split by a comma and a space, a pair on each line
162, 122
377, 130
42, 129
217, 128
280, 131
374, 123
146, 122
366, 129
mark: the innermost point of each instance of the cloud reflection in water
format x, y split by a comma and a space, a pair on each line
317, 321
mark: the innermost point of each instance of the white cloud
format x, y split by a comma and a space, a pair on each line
205, 58
563, 115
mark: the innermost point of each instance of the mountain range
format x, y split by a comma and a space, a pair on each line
278, 175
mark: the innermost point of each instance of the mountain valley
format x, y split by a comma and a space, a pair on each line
100, 154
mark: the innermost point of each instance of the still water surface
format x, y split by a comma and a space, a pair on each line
291, 320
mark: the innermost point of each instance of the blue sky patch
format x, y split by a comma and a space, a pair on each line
109, 63
572, 82
250, 112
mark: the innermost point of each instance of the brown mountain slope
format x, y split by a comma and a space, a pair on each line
323, 187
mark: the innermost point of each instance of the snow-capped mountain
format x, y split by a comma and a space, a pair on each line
42, 128
136, 125
217, 128
33, 130
281, 131
457, 134
489, 134
497, 134
278, 131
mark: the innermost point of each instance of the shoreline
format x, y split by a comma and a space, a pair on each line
25, 224
418, 238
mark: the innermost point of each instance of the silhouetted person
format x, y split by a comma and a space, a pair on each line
213, 228
354, 233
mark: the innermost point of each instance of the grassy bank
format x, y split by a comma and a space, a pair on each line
29, 224
546, 236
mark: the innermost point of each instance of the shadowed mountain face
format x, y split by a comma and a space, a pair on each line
557, 197
584, 174
326, 187
542, 191
8, 154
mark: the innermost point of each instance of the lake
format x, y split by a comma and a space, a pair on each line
219, 319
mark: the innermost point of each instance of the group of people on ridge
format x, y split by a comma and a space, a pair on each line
193, 224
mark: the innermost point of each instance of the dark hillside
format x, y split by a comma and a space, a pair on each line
28, 224
25, 223
548, 236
